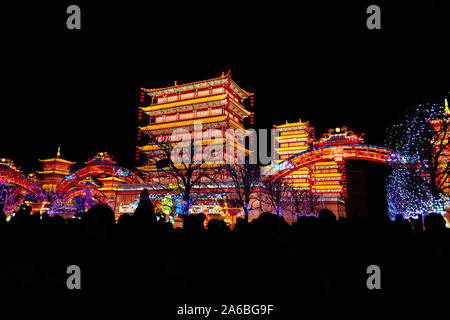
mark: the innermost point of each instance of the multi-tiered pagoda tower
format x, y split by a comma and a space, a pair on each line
292, 139
214, 104
53, 171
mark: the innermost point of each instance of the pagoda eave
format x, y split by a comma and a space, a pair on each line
57, 160
222, 80
54, 172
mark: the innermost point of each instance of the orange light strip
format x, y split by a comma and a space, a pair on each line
286, 136
183, 123
326, 163
337, 174
322, 187
184, 102
107, 189
54, 172
111, 179
299, 148
57, 160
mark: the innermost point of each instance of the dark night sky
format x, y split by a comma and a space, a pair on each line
317, 62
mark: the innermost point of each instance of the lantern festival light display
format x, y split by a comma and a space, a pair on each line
409, 186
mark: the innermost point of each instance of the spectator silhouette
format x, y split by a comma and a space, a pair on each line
192, 223
100, 214
145, 211
125, 220
23, 215
326, 217
240, 225
216, 226
327, 256
45, 218
56, 219
434, 223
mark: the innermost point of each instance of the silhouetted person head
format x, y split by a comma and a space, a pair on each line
23, 216
145, 211
267, 222
326, 216
144, 199
45, 217
213, 225
57, 219
100, 214
192, 223
36, 216
434, 222
125, 219
241, 224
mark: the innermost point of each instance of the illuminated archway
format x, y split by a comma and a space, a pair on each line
321, 169
101, 166
17, 187
339, 154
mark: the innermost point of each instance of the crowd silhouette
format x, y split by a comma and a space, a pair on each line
314, 257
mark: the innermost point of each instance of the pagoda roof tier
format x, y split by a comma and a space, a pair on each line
151, 147
239, 107
147, 168
209, 101
222, 80
181, 166
290, 126
300, 137
221, 121
112, 179
54, 172
219, 142
296, 148
57, 159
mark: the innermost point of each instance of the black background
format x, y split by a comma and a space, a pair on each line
317, 61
